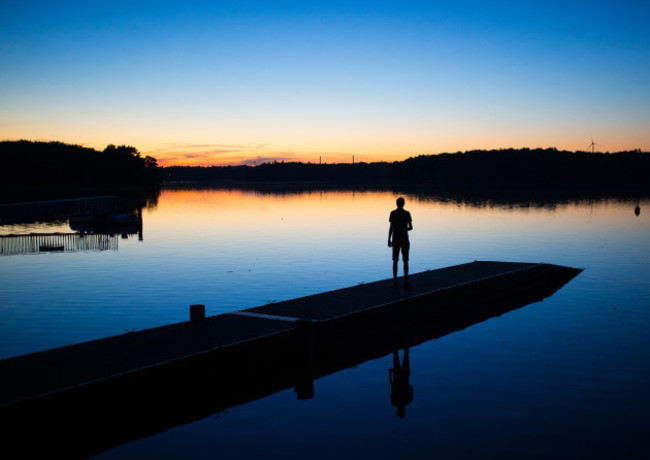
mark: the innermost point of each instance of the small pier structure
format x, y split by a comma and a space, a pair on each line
37, 243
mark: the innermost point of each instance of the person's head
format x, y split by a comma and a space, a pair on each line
400, 202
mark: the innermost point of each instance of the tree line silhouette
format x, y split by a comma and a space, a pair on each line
28, 165
522, 169
46, 165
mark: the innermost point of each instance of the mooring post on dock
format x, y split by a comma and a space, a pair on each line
197, 312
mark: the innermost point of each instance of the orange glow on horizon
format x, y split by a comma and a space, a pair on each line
382, 150
167, 160
233, 155
252, 161
379, 150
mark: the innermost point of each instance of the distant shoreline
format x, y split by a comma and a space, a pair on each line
39, 171
512, 169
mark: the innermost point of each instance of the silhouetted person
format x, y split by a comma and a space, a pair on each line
637, 210
398, 238
401, 393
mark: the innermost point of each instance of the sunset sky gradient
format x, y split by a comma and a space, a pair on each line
237, 82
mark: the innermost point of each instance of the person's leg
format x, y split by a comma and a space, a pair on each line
405, 257
406, 274
406, 363
395, 260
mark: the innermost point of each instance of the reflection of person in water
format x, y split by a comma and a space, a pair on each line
401, 393
398, 238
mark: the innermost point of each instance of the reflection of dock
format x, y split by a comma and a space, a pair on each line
85, 398
36, 243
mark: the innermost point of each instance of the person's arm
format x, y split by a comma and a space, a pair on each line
390, 234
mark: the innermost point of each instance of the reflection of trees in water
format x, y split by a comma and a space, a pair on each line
521, 198
123, 202
492, 197
133, 200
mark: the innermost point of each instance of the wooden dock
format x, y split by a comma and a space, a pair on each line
110, 391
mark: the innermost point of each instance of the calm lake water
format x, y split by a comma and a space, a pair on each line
564, 378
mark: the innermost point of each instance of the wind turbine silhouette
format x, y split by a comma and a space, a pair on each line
592, 145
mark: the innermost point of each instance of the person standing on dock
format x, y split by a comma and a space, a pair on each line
398, 238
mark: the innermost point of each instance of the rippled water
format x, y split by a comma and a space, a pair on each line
563, 378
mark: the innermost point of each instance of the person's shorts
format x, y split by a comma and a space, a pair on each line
403, 246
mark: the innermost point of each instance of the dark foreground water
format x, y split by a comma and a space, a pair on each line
564, 378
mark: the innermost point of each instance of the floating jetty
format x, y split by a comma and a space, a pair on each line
83, 399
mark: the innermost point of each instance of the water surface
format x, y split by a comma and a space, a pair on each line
566, 377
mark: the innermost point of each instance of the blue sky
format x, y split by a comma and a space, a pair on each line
232, 82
